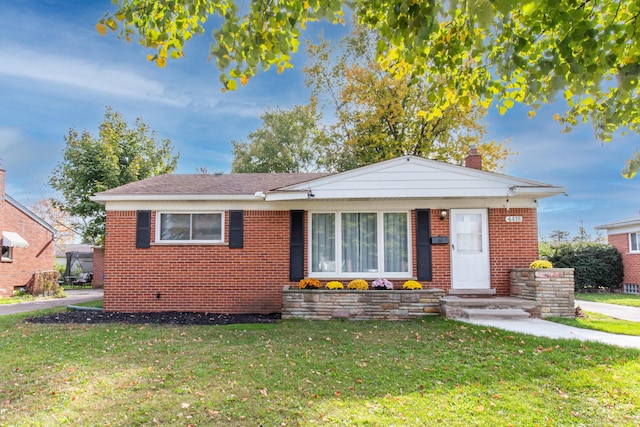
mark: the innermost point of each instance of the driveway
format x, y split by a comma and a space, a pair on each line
74, 296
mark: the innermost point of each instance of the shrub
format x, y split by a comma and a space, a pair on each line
334, 284
309, 283
358, 284
381, 284
541, 263
411, 285
597, 266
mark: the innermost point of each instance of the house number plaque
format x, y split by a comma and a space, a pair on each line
513, 219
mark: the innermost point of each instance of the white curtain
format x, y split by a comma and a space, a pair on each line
323, 241
359, 242
396, 257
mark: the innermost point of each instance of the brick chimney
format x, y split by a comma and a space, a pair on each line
474, 159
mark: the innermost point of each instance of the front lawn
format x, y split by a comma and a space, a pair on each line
601, 322
300, 373
620, 299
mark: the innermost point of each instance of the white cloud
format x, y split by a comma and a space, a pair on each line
83, 75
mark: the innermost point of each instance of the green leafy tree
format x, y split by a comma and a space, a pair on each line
379, 117
116, 156
485, 52
288, 141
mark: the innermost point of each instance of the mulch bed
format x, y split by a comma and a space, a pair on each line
165, 318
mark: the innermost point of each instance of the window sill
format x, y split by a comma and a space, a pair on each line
189, 243
7, 260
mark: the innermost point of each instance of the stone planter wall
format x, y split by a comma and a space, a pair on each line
552, 288
324, 304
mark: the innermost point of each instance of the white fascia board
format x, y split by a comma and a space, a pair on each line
542, 191
315, 204
629, 223
276, 196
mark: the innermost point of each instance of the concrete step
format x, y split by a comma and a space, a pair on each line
494, 313
472, 293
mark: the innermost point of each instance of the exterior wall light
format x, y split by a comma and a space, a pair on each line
443, 214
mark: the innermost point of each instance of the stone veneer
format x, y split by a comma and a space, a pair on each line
324, 304
552, 288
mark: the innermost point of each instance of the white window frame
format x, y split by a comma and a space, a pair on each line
10, 257
635, 250
188, 242
380, 243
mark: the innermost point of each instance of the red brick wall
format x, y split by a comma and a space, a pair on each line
214, 278
37, 257
203, 278
98, 267
511, 244
631, 261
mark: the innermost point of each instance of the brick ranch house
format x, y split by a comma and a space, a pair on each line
229, 243
625, 236
27, 243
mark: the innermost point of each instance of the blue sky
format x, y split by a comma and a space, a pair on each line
56, 72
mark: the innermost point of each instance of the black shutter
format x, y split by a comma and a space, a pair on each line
143, 229
296, 246
236, 229
423, 244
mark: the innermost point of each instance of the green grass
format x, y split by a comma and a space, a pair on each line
297, 373
601, 322
620, 299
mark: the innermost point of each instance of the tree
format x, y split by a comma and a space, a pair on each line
559, 236
288, 141
479, 52
59, 219
379, 117
116, 156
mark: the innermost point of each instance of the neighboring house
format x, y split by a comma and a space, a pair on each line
229, 243
625, 236
27, 243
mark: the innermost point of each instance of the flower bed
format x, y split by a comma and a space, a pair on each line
325, 304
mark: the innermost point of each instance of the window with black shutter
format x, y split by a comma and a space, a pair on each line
296, 246
236, 229
423, 245
143, 229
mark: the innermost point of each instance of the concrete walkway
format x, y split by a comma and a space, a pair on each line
544, 328
74, 296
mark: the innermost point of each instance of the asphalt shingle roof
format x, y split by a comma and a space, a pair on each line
212, 184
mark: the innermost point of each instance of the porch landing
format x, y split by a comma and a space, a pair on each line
474, 307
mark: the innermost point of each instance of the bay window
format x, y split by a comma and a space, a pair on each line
190, 227
359, 244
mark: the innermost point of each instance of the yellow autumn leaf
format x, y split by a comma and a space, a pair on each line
531, 114
161, 62
149, 57
243, 80
101, 29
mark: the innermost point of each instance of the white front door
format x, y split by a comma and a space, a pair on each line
470, 249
